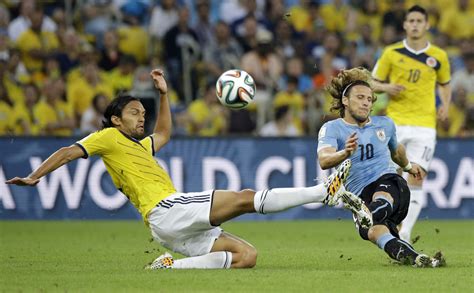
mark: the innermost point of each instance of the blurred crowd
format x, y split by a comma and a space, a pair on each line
61, 62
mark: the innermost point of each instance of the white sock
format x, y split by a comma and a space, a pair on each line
213, 260
416, 201
279, 199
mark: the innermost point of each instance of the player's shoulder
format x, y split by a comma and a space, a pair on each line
393, 47
333, 123
382, 120
108, 132
436, 51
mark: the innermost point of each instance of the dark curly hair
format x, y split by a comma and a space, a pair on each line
342, 84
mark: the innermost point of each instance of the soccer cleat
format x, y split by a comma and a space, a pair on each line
361, 212
164, 261
424, 261
335, 183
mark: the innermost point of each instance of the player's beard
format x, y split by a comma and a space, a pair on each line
359, 118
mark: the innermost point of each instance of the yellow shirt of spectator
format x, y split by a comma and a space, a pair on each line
119, 81
25, 118
334, 17
30, 40
45, 114
133, 40
80, 93
14, 90
457, 24
7, 118
418, 72
202, 113
296, 103
131, 164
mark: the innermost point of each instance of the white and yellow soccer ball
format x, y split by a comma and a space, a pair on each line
235, 89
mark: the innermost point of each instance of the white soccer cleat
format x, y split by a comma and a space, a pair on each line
424, 261
357, 206
335, 183
164, 261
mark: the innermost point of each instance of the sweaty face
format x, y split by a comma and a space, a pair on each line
359, 103
415, 25
133, 120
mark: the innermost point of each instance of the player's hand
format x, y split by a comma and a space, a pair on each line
26, 181
394, 89
158, 77
416, 171
351, 144
443, 112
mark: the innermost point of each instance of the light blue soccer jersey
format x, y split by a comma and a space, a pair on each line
372, 158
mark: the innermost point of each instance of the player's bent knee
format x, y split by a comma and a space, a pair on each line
249, 259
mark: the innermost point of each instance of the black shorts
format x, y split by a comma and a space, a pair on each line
397, 187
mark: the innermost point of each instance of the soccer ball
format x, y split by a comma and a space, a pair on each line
235, 89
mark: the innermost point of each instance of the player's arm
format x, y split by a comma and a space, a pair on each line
162, 132
329, 157
60, 157
399, 156
384, 87
445, 96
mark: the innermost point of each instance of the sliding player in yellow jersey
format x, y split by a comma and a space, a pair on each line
187, 223
410, 72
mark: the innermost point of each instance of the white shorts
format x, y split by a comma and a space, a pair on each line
181, 223
419, 142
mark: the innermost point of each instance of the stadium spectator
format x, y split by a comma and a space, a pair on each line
248, 37
306, 17
82, 89
121, 78
266, 68
412, 98
69, 52
92, 118
110, 53
222, 55
294, 67
53, 114
464, 78
395, 16
97, 18
132, 37
458, 22
286, 44
27, 124
207, 117
164, 16
23, 22
4, 19
294, 99
35, 44
7, 114
334, 14
282, 125
454, 125
180, 52
203, 26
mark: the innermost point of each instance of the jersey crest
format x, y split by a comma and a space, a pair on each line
380, 134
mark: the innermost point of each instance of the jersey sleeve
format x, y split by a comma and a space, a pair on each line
393, 141
443, 75
148, 144
98, 143
327, 136
382, 67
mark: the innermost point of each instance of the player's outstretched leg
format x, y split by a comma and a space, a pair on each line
213, 260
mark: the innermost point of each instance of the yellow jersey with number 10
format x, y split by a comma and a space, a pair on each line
131, 164
418, 72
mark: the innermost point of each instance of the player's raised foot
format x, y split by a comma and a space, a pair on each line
335, 183
164, 261
357, 206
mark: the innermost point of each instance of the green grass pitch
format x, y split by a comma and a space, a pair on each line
294, 256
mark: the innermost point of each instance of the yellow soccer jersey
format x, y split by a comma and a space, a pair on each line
132, 167
418, 72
